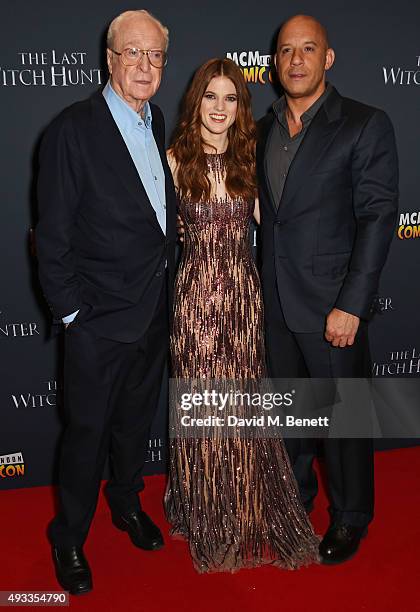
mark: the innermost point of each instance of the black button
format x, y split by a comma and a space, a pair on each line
158, 274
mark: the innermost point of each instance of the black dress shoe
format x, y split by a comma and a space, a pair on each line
141, 529
340, 543
72, 569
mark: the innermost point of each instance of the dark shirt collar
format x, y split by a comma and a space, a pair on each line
279, 108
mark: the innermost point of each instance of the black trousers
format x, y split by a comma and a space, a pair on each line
111, 391
349, 461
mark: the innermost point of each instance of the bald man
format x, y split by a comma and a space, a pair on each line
328, 177
105, 238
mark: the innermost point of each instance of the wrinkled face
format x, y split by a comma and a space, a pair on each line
138, 83
302, 58
219, 106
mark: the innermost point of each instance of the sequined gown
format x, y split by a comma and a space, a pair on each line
234, 500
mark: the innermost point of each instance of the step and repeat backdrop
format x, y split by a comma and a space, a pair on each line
53, 54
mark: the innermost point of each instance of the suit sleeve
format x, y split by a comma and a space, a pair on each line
59, 187
375, 203
159, 124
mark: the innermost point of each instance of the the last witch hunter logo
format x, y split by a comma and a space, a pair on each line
50, 68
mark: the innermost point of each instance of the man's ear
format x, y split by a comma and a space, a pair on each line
109, 60
329, 59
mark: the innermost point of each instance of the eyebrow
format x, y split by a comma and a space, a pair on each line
131, 45
214, 93
307, 42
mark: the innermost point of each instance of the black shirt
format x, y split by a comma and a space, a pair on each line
282, 148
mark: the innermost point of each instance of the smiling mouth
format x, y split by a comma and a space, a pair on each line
218, 118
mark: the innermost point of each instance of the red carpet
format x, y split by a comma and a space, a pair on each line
383, 576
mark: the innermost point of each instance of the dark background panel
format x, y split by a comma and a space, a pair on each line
371, 39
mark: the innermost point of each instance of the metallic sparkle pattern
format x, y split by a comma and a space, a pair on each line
234, 500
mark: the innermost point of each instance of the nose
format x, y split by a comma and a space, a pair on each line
296, 58
144, 63
220, 104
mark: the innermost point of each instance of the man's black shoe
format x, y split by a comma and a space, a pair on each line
72, 569
340, 543
141, 529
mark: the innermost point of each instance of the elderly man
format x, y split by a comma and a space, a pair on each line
105, 242
328, 176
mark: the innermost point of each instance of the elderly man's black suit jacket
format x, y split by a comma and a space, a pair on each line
100, 247
326, 242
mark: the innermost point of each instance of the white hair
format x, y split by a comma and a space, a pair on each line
113, 26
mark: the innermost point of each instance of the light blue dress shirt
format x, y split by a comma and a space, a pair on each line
138, 137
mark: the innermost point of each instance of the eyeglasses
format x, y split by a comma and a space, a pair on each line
131, 56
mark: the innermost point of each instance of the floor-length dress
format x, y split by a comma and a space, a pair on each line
234, 500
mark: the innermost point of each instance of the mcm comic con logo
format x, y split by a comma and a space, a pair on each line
255, 66
12, 466
50, 69
409, 225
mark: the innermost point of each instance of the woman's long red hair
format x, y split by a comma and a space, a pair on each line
187, 148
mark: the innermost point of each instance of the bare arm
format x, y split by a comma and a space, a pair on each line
257, 211
172, 165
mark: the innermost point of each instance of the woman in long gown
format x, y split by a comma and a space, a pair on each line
234, 499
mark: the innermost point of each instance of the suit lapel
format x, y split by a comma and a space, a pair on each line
263, 141
159, 136
321, 132
118, 157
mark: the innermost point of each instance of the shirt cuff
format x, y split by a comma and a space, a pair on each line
69, 318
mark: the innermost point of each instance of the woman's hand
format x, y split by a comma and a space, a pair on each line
180, 228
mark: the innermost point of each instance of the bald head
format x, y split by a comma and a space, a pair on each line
299, 23
303, 56
127, 19
135, 82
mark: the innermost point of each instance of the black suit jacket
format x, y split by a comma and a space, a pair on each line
326, 243
100, 247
